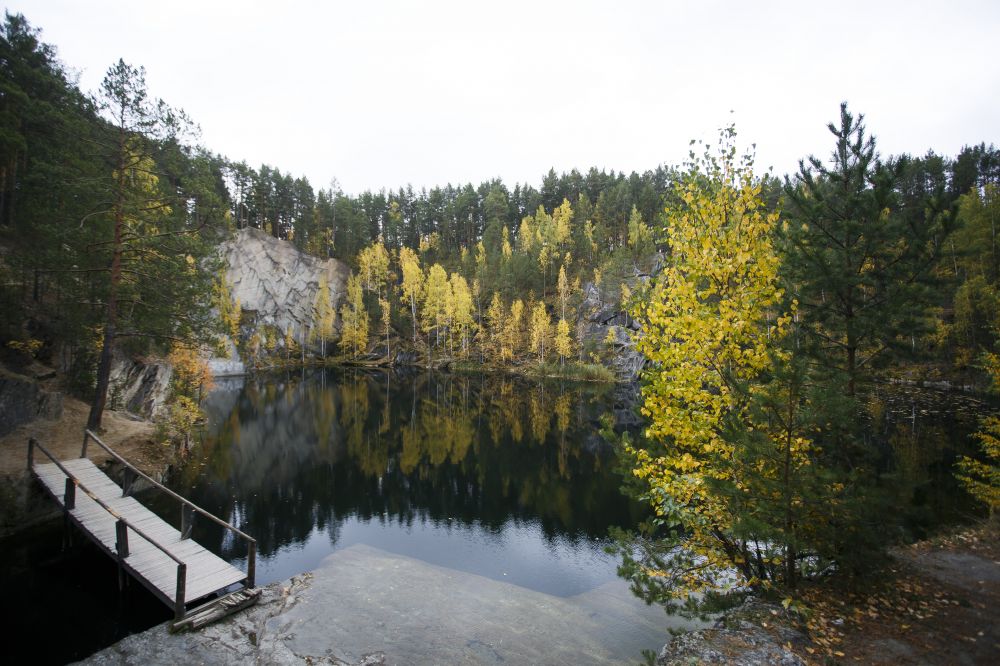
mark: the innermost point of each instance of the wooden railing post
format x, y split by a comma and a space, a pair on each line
31, 454
83, 450
181, 585
187, 521
121, 545
252, 564
69, 496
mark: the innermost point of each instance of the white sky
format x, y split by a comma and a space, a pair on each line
381, 94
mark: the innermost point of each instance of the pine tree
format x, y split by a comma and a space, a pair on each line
858, 266
154, 245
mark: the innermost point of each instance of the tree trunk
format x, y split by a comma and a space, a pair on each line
111, 319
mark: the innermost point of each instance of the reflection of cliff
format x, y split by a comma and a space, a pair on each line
297, 455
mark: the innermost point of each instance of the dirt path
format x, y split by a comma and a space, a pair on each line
940, 605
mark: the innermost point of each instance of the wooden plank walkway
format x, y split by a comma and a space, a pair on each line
174, 567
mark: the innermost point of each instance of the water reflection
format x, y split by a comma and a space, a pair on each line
920, 434
510, 474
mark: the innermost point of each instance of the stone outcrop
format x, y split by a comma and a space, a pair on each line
139, 387
276, 284
23, 400
739, 638
597, 317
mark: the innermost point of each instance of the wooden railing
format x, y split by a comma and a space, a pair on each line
122, 525
188, 508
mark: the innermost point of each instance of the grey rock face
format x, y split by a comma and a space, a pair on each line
598, 316
278, 283
140, 388
22, 400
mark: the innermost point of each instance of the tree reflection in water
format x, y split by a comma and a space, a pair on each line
293, 457
482, 472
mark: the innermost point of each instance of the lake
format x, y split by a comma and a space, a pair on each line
494, 478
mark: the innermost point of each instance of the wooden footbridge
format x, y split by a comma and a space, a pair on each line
165, 560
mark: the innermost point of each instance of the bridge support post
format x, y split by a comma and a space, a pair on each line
251, 563
179, 597
121, 546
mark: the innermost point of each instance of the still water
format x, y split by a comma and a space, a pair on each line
485, 475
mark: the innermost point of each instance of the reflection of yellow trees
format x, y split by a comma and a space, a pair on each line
370, 451
442, 433
324, 412
540, 416
506, 411
562, 411
412, 452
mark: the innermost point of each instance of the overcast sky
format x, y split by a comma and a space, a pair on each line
381, 94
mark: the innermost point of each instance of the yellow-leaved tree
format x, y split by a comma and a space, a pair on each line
354, 319
413, 282
228, 307
711, 327
323, 314
541, 330
563, 341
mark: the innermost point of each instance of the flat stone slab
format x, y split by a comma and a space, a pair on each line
363, 605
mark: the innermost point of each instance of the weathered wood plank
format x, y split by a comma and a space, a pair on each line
206, 572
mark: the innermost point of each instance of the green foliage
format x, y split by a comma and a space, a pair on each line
981, 476
708, 326
859, 268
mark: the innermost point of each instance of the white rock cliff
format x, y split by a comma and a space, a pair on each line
278, 283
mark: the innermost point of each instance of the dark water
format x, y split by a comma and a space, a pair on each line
486, 474
499, 477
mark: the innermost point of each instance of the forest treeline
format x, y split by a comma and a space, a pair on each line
764, 305
110, 212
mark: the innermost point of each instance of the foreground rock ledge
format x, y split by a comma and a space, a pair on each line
737, 639
366, 606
